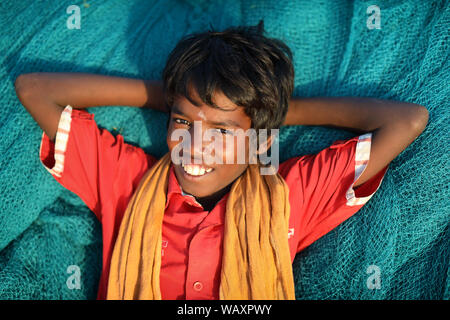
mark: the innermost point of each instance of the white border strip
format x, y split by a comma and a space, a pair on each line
62, 137
362, 155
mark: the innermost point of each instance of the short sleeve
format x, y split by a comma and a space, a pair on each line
321, 188
100, 168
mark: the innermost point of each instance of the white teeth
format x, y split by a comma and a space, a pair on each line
195, 170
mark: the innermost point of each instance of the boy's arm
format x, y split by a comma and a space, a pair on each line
394, 125
45, 95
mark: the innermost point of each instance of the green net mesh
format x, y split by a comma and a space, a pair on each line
401, 235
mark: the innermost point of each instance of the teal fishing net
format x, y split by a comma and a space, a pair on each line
395, 247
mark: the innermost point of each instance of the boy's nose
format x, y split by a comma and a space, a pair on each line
200, 149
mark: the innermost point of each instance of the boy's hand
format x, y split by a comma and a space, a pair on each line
394, 125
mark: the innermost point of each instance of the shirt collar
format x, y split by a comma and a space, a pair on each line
174, 187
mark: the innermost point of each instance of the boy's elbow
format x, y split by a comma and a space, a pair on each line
420, 119
20, 83
25, 85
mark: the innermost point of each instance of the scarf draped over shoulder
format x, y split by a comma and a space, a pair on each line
256, 262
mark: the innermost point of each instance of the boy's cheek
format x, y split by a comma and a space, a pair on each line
231, 151
168, 140
240, 149
171, 144
173, 141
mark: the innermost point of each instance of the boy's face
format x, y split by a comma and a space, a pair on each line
207, 178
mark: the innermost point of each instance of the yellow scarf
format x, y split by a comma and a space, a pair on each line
256, 262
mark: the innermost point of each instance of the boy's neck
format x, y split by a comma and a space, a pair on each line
209, 202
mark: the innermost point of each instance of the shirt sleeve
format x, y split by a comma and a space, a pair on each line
322, 193
101, 169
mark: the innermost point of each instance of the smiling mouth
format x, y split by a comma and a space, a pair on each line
196, 170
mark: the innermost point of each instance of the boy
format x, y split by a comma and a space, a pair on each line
191, 230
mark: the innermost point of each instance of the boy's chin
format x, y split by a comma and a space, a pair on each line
198, 186
209, 184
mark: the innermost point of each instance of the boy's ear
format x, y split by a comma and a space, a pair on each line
264, 146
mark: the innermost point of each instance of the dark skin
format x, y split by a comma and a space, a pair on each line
394, 125
212, 186
208, 203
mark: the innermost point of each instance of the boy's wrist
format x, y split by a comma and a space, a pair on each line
294, 116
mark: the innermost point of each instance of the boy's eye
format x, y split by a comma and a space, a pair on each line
187, 123
223, 131
181, 121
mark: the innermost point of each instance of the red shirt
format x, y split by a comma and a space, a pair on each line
104, 171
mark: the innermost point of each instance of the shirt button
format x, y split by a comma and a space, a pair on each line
198, 286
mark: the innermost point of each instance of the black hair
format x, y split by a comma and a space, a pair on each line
253, 71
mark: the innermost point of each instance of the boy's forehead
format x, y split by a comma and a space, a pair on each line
229, 111
218, 98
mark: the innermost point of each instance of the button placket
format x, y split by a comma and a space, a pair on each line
202, 264
199, 268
